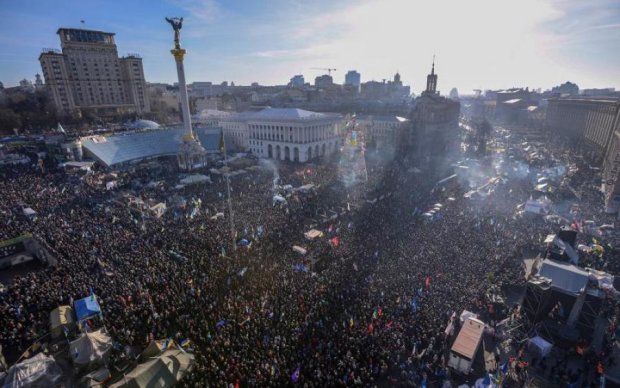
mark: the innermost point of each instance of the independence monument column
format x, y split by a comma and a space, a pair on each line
191, 153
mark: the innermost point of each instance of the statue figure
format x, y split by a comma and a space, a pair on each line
176, 24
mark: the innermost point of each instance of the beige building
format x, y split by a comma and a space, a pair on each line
382, 130
88, 75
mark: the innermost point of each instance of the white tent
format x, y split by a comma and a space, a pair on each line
465, 315
539, 345
28, 212
60, 318
278, 199
159, 209
299, 250
195, 179
163, 371
312, 234
37, 371
217, 216
90, 347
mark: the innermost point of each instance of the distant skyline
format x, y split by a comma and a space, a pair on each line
486, 44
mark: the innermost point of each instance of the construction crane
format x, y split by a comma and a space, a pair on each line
329, 69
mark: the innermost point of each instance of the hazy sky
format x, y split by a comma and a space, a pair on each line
478, 43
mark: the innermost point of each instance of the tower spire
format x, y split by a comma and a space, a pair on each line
431, 80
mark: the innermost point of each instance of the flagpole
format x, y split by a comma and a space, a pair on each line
230, 211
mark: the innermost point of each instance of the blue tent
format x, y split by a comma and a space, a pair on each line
86, 308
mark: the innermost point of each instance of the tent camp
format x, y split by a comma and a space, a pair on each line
37, 371
163, 371
86, 308
61, 318
90, 347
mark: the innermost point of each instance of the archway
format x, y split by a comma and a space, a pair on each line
287, 153
296, 154
323, 149
278, 153
316, 151
269, 151
309, 153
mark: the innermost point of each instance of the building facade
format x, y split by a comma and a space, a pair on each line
590, 119
352, 78
297, 80
434, 121
88, 75
382, 131
285, 133
611, 172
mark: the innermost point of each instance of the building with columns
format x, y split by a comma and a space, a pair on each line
88, 74
285, 133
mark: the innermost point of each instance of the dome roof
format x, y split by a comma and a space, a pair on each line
144, 124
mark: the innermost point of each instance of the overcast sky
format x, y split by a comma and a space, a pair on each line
485, 44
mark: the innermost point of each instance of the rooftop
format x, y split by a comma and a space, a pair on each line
469, 337
134, 147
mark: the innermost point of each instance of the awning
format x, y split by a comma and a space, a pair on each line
87, 307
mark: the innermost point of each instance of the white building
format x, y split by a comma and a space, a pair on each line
285, 133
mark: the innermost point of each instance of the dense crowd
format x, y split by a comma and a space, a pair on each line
370, 305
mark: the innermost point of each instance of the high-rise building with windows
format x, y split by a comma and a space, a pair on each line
352, 78
88, 75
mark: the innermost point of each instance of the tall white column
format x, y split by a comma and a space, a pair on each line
187, 120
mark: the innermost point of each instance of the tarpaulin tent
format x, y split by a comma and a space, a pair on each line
565, 277
90, 347
37, 371
60, 318
539, 345
86, 308
195, 179
163, 371
155, 348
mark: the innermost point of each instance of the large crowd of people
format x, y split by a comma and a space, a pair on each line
367, 305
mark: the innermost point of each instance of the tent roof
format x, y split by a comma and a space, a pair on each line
86, 307
564, 276
62, 315
90, 347
469, 337
165, 371
40, 370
